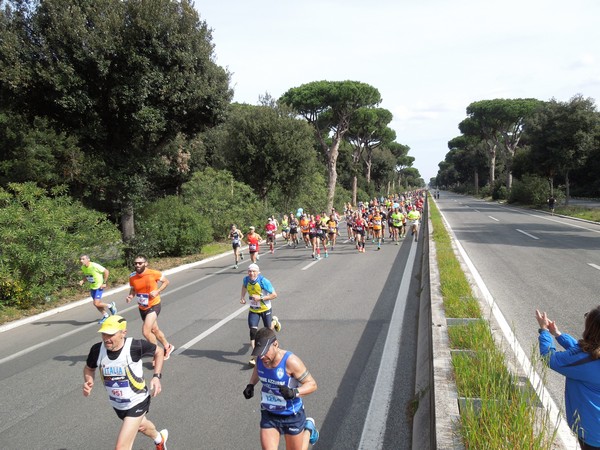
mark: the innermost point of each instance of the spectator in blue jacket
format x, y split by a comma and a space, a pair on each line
580, 364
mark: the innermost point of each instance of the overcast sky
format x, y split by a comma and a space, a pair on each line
429, 59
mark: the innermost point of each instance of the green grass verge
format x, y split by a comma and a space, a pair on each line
499, 414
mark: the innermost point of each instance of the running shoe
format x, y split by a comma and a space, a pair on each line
397, 243
252, 361
235, 267
277, 324
378, 248
241, 255
112, 308
312, 427
168, 351
165, 435
103, 319
326, 255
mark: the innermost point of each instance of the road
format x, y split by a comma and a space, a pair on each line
336, 315
530, 260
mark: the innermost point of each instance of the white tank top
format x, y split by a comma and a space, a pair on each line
123, 378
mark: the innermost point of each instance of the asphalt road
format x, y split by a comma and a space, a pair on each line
530, 260
336, 314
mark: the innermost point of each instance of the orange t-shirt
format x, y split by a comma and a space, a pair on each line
304, 225
376, 222
143, 284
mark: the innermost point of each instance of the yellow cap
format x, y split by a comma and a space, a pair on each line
113, 324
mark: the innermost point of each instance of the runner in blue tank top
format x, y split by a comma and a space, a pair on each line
285, 380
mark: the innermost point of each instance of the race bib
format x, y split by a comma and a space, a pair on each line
252, 247
143, 299
272, 401
90, 278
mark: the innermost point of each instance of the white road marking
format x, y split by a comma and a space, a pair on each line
595, 266
493, 218
527, 234
373, 432
310, 264
211, 330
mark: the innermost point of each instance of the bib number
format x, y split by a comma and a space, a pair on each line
143, 299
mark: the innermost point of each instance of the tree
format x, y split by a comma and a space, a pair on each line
126, 77
562, 135
467, 155
267, 147
329, 106
368, 130
506, 119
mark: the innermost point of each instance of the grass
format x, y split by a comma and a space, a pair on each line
592, 214
118, 276
499, 414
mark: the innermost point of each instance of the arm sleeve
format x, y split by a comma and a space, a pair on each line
566, 341
266, 285
92, 359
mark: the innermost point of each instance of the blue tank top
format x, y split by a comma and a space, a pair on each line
272, 379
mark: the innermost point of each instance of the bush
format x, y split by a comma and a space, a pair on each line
533, 190
169, 227
42, 237
217, 196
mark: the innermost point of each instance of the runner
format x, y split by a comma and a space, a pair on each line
332, 230
322, 232
144, 288
236, 237
413, 219
359, 232
119, 360
377, 222
294, 231
253, 240
285, 229
304, 229
396, 218
285, 382
260, 293
271, 231
96, 277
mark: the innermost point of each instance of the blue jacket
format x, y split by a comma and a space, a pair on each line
582, 385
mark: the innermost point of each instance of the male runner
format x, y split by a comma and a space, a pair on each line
96, 276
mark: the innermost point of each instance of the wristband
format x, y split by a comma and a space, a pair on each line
157, 375
540, 330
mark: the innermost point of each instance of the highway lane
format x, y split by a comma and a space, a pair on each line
530, 260
335, 314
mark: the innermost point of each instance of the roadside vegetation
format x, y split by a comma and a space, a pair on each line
497, 410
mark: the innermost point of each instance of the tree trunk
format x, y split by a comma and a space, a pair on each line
476, 178
127, 221
354, 189
368, 164
492, 152
568, 189
332, 169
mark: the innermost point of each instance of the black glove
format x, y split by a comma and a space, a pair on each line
249, 391
288, 393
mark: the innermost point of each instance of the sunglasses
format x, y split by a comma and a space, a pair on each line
139, 263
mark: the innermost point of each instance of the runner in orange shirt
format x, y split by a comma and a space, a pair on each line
144, 288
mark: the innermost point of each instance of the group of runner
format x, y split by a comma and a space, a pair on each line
284, 377
367, 221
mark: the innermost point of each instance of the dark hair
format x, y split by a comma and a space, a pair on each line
591, 334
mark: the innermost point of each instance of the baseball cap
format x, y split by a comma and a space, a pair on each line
253, 267
252, 228
113, 324
262, 342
